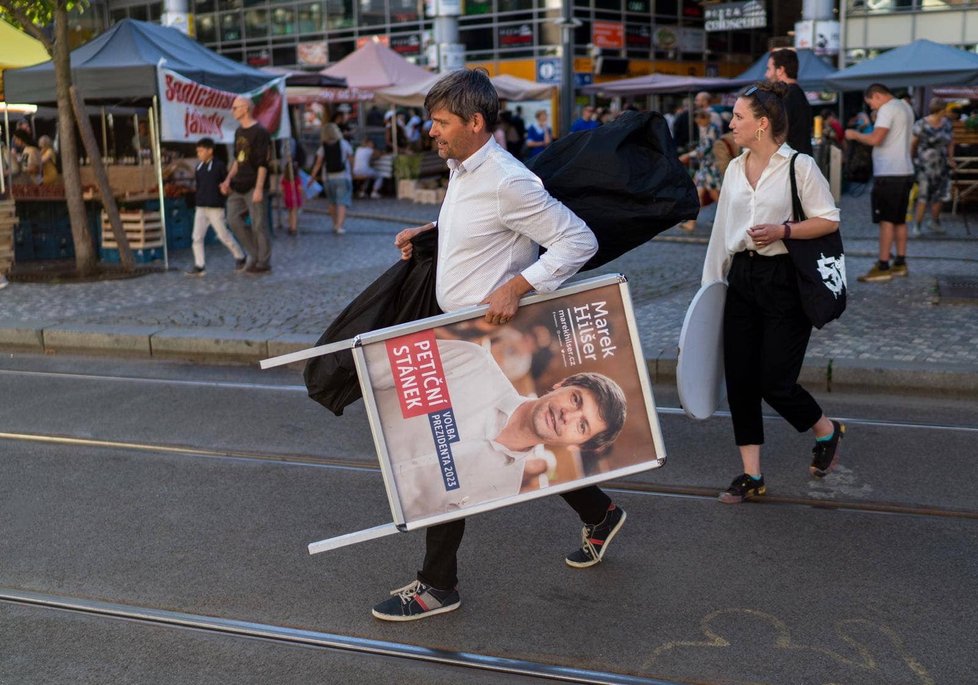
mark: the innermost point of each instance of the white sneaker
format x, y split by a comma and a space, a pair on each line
374, 196
3, 282
915, 231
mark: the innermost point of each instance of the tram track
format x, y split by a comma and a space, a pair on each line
619, 486
322, 640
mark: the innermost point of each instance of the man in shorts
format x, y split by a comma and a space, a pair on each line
893, 178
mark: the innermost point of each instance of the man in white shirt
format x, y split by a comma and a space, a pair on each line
495, 215
494, 430
893, 177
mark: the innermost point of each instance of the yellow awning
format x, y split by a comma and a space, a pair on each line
17, 49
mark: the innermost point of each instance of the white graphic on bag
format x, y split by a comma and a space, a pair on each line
833, 273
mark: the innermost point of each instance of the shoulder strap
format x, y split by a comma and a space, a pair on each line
796, 208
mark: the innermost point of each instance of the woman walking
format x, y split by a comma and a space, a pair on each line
765, 330
933, 157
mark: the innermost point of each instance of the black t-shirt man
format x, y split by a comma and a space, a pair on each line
252, 150
799, 119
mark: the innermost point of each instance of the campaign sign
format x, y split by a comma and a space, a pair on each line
469, 416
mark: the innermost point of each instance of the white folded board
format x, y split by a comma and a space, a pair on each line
699, 372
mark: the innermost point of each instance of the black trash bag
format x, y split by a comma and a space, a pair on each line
405, 292
624, 179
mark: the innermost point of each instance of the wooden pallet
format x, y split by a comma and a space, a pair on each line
143, 229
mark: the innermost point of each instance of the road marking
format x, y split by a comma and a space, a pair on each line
234, 385
617, 486
332, 641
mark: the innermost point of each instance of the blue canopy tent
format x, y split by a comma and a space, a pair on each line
121, 65
921, 63
812, 71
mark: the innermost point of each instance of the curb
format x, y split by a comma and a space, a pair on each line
229, 346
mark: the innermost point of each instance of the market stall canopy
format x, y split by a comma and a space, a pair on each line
375, 66
121, 64
306, 78
657, 83
812, 71
921, 63
508, 87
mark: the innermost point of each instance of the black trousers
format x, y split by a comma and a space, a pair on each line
765, 335
442, 542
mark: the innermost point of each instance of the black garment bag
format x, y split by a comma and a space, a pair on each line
623, 178
405, 292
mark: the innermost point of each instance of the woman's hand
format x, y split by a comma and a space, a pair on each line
765, 234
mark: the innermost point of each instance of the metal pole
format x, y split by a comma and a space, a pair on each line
105, 138
6, 133
154, 136
567, 25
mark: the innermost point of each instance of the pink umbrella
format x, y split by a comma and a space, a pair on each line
375, 66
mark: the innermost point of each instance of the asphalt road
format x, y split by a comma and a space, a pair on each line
154, 519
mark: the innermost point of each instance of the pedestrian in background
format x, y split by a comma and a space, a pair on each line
782, 65
26, 161
707, 175
334, 157
495, 216
933, 158
586, 121
209, 209
246, 186
538, 135
49, 161
293, 159
893, 178
363, 169
765, 329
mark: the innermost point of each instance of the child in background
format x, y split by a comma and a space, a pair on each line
209, 174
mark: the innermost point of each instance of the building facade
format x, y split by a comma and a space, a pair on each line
870, 27
507, 35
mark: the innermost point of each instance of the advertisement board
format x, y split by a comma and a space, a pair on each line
190, 111
468, 417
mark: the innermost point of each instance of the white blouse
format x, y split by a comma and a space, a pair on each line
740, 207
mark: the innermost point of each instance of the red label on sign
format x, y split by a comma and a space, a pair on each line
608, 34
418, 374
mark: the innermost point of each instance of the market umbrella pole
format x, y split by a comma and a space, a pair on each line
154, 138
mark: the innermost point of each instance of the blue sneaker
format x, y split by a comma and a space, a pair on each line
595, 539
415, 601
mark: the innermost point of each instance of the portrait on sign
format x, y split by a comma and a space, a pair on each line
472, 415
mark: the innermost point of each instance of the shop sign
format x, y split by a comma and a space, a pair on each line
510, 36
638, 36
312, 54
550, 70
735, 16
406, 45
608, 34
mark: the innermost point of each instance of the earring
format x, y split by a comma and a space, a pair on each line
758, 133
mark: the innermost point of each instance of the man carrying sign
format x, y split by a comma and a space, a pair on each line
495, 214
246, 184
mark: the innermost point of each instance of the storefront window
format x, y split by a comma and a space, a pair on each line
373, 12
203, 6
473, 7
206, 28
140, 12
613, 5
338, 49
284, 56
339, 14
403, 11
231, 4
117, 15
256, 23
476, 39
283, 21
515, 5
311, 18
231, 26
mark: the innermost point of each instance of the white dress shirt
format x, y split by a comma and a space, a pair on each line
495, 214
741, 206
483, 400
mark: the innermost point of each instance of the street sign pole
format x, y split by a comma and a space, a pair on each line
567, 25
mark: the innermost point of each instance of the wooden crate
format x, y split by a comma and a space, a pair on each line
143, 229
8, 222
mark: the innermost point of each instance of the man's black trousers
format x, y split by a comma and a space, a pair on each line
441, 561
765, 335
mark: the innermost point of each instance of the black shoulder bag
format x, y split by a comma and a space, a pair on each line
820, 264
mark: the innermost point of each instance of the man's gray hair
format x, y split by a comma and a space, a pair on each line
465, 93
